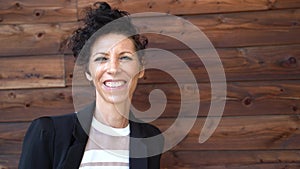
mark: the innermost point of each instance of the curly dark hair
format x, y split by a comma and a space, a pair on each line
95, 19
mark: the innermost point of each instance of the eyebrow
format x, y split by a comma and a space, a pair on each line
106, 54
102, 53
126, 52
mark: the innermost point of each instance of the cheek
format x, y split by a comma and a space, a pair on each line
133, 70
96, 71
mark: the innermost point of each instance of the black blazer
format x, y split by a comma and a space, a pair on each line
59, 142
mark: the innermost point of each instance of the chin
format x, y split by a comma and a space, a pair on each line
118, 99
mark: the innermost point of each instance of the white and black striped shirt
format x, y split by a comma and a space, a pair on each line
107, 148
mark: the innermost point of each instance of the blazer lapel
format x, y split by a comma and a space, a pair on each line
137, 148
82, 126
80, 135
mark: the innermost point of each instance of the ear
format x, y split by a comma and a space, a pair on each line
88, 76
141, 73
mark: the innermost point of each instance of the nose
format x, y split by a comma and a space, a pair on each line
113, 66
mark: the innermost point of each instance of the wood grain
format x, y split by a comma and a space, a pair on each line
32, 72
187, 159
195, 7
9, 161
25, 105
245, 30
240, 64
43, 11
257, 43
243, 99
237, 133
35, 39
233, 133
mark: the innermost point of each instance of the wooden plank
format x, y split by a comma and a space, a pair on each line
9, 161
243, 29
35, 39
238, 38
25, 105
254, 166
243, 99
186, 159
247, 30
69, 68
32, 72
196, 159
13, 131
233, 133
240, 133
195, 7
240, 64
10, 146
193, 159
43, 11
246, 20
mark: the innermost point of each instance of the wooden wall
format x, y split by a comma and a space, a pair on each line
259, 45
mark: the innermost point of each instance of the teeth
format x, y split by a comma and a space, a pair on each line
114, 84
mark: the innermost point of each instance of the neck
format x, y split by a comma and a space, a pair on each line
112, 114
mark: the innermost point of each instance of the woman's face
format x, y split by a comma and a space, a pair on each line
114, 68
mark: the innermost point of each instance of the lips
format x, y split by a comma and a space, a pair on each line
114, 83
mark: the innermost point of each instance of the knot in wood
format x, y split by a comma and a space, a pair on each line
12, 95
18, 6
247, 101
290, 62
271, 4
40, 34
38, 12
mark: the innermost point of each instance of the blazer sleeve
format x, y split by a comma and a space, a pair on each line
154, 161
37, 149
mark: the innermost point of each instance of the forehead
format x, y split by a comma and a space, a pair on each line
112, 42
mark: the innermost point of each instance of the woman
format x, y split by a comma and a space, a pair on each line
104, 134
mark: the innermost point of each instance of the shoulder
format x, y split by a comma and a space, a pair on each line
48, 123
143, 129
151, 129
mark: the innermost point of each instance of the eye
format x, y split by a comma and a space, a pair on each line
125, 58
101, 59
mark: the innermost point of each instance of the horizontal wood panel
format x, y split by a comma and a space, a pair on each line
237, 133
38, 39
249, 29
261, 20
9, 161
25, 105
249, 166
208, 160
257, 42
189, 159
233, 133
31, 11
243, 98
248, 98
247, 20
10, 146
238, 38
193, 159
240, 64
32, 72
195, 7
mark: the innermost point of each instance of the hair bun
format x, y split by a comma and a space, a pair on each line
103, 6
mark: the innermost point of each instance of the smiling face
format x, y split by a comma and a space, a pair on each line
114, 68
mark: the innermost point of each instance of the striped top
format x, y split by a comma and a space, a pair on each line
107, 148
